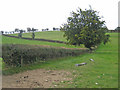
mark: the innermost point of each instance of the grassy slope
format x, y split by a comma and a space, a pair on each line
104, 70
51, 35
9, 40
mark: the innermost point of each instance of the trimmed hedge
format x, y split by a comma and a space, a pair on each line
17, 55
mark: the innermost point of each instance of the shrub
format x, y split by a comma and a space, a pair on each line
17, 55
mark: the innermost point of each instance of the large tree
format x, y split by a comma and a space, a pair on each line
85, 27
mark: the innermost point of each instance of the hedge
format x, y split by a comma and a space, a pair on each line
18, 55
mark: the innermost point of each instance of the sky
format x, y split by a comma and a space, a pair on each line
119, 14
41, 14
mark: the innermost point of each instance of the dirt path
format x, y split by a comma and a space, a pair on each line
39, 78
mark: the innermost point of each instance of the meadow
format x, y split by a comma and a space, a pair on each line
8, 40
101, 73
51, 35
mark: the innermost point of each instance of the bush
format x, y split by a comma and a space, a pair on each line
17, 55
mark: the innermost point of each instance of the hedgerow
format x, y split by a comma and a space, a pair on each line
18, 55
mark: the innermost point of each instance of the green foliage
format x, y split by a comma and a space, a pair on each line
15, 55
85, 27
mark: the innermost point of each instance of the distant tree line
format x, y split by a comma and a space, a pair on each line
56, 29
17, 30
45, 29
20, 31
28, 30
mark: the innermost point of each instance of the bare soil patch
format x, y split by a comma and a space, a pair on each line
39, 78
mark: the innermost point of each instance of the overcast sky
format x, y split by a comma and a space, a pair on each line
119, 14
42, 14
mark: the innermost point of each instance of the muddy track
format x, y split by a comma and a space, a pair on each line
55, 41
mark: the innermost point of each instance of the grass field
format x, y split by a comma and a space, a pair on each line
51, 35
102, 73
9, 40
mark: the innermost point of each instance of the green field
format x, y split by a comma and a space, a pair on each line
10, 40
51, 35
103, 71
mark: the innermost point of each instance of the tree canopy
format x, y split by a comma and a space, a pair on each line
85, 27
